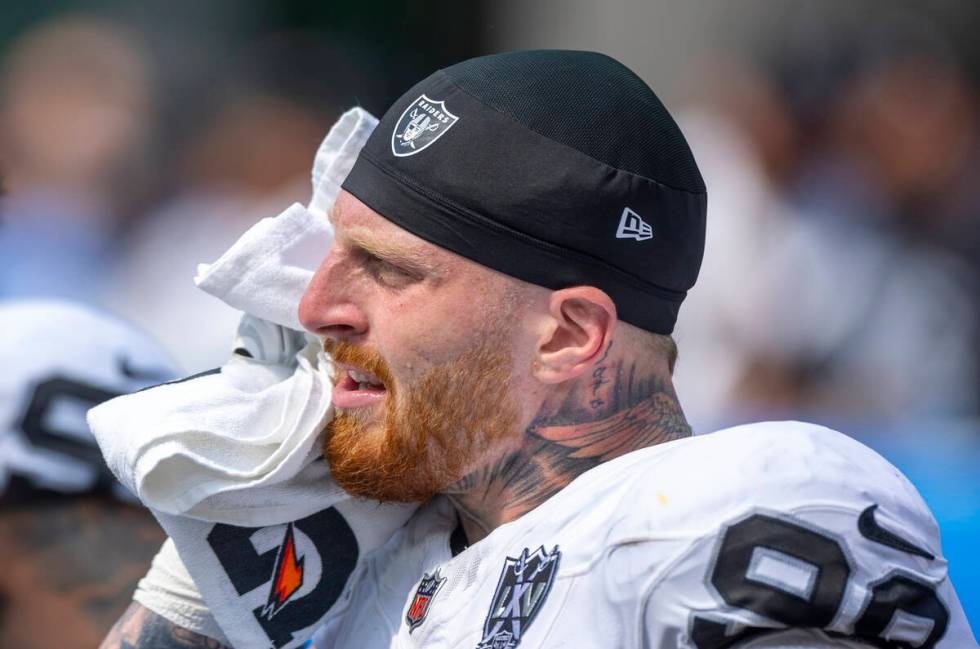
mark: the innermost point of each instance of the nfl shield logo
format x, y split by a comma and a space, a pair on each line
419, 607
523, 587
422, 123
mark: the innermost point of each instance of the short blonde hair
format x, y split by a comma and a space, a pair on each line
666, 346
647, 342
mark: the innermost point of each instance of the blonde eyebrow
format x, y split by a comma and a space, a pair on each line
416, 261
369, 244
410, 260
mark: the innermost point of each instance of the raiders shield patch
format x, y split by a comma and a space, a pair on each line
422, 123
523, 587
424, 595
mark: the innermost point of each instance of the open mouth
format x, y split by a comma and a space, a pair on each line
357, 388
364, 380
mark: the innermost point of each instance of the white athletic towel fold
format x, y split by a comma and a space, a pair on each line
229, 462
265, 272
169, 590
238, 446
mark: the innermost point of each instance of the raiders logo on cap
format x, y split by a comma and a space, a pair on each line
423, 122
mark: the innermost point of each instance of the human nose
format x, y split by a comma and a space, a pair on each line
328, 307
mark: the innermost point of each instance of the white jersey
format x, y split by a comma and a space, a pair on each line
777, 534
60, 359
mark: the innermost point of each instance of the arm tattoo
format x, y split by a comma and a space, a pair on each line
619, 409
141, 628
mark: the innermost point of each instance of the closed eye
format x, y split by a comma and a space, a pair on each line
387, 273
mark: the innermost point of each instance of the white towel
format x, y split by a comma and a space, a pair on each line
236, 446
266, 271
188, 448
169, 590
229, 461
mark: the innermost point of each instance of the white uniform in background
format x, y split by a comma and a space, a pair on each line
59, 359
715, 541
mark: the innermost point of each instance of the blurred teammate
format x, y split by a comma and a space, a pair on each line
74, 123
73, 544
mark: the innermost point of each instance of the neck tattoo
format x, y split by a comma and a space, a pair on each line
618, 409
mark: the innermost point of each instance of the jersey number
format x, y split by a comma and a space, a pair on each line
796, 576
42, 435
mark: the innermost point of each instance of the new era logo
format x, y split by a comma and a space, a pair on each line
631, 226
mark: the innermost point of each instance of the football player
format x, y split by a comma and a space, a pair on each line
72, 541
511, 250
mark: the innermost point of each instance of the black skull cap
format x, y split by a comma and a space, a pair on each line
560, 168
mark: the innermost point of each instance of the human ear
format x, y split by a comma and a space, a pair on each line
581, 321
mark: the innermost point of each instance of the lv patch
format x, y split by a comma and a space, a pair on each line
521, 591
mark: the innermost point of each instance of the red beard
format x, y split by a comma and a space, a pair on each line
432, 432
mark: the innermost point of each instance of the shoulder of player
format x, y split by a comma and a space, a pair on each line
420, 544
688, 486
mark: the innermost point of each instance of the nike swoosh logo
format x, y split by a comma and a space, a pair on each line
871, 530
141, 373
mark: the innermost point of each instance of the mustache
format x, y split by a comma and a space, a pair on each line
344, 353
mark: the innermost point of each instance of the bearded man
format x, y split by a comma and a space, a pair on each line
511, 250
